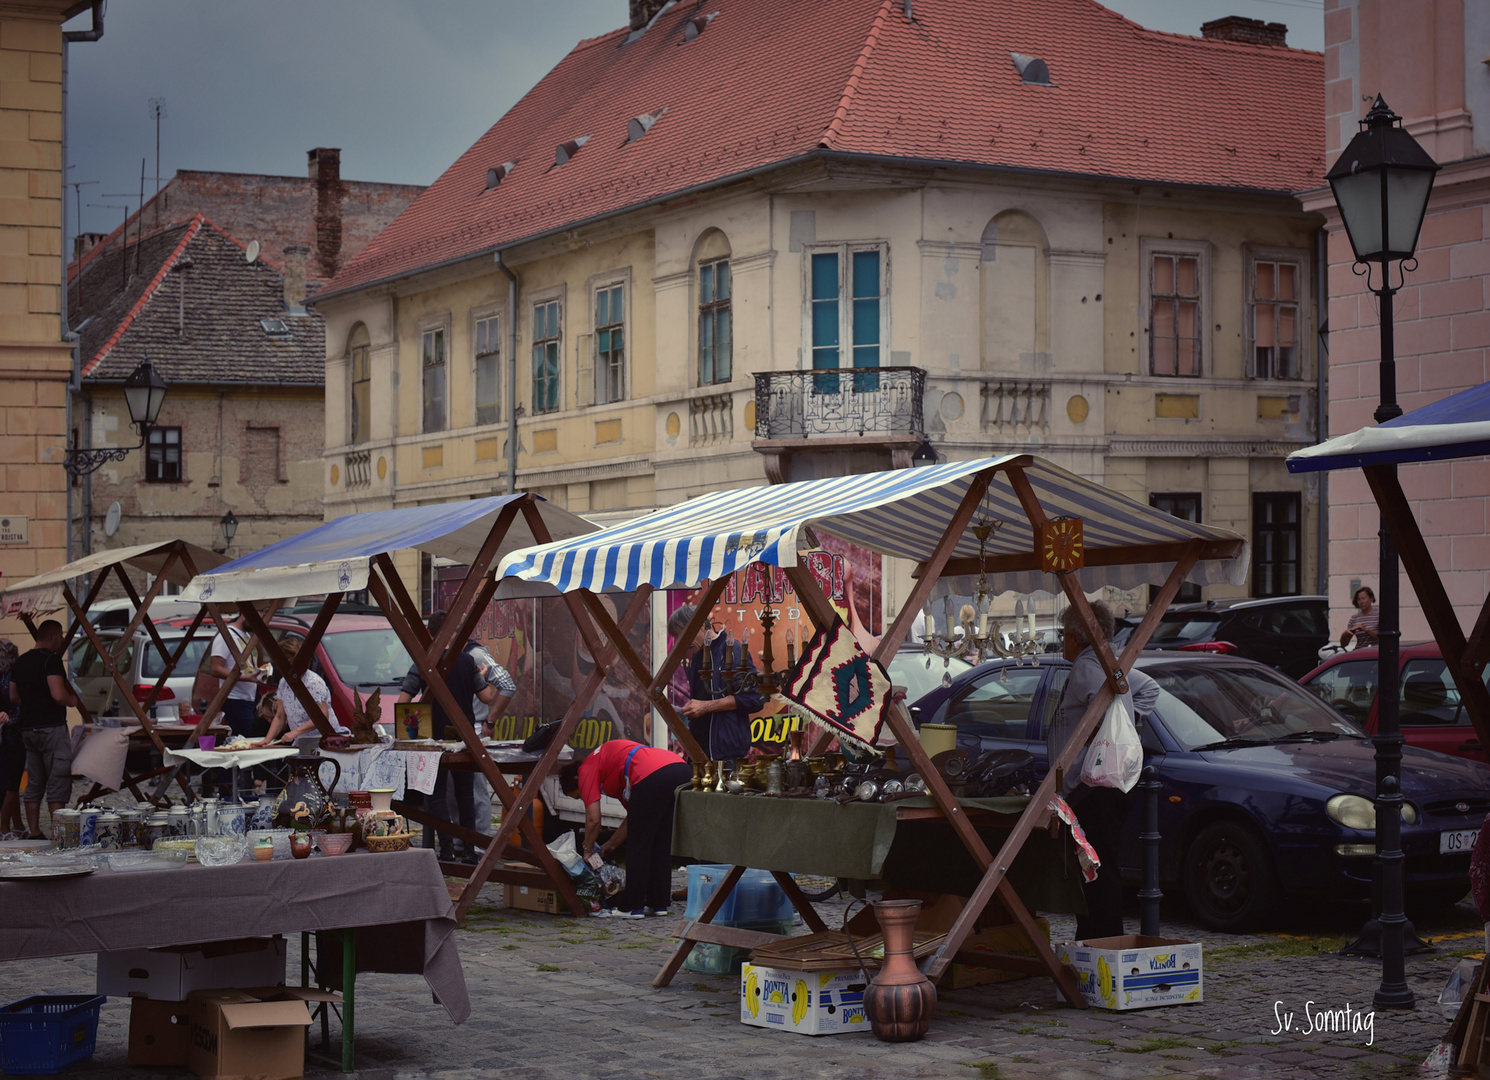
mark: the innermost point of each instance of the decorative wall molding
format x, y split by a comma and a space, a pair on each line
1203, 448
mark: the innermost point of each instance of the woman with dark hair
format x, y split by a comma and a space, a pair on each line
1363, 625
12, 751
645, 779
1100, 810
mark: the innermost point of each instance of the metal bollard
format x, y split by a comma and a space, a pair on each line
1150, 895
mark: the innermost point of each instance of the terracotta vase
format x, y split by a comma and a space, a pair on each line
300, 844
900, 999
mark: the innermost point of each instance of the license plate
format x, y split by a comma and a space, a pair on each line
1457, 840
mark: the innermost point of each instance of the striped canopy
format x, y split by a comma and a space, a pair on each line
901, 513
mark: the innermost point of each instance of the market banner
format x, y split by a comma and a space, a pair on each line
842, 685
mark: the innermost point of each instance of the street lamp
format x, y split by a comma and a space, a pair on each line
925, 455
144, 393
1381, 184
229, 529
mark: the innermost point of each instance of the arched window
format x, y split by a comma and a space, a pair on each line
1015, 293
715, 315
359, 381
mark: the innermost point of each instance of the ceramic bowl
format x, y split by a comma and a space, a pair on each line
334, 843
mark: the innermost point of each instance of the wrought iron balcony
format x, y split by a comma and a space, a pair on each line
846, 403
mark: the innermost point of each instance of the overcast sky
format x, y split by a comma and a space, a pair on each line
402, 86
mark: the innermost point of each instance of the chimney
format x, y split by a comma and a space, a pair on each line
643, 10
325, 170
1246, 31
86, 242
294, 275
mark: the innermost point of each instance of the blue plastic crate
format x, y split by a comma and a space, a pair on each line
757, 897
46, 1034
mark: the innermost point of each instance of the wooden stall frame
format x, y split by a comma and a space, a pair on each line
993, 884
176, 552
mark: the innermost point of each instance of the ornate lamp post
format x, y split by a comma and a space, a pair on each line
144, 393
229, 525
1381, 184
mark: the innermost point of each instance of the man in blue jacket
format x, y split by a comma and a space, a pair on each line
719, 703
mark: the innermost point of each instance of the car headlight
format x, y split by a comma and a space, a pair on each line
1357, 812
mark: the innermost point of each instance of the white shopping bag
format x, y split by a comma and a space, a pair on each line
1115, 757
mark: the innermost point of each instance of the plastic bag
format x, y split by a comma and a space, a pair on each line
564, 850
612, 878
1115, 757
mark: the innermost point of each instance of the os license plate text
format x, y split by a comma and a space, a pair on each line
1457, 840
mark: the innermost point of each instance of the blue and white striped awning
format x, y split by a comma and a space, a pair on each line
901, 513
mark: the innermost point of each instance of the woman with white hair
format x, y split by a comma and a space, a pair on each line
1100, 810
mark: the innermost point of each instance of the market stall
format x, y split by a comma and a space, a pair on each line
353, 553
176, 562
1012, 521
1454, 428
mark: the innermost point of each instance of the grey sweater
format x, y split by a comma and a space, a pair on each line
1085, 680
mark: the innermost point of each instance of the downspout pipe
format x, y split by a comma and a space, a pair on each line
511, 372
1322, 407
75, 379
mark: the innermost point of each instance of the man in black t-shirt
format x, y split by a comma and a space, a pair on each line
38, 685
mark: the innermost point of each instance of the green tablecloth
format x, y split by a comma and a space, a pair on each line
864, 841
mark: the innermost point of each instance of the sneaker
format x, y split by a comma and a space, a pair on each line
660, 913
617, 913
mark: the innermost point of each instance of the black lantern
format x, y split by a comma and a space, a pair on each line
925, 455
1381, 184
229, 527
144, 394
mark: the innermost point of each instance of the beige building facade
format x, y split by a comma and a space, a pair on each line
35, 361
1029, 307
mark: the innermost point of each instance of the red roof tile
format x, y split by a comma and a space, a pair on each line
772, 80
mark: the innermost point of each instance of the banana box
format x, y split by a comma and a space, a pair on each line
1134, 972
806, 1002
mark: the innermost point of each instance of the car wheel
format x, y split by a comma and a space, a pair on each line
1228, 878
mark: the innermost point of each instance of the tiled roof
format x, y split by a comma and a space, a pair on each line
768, 81
216, 338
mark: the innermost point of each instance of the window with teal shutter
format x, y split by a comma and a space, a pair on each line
546, 357
714, 344
825, 319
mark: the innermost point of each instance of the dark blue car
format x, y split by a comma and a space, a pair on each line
1266, 790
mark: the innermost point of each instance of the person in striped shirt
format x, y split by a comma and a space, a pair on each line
1362, 625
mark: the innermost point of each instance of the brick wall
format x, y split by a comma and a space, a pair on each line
1442, 328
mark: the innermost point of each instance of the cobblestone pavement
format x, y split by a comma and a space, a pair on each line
560, 999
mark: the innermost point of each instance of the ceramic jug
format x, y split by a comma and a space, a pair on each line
900, 1000
305, 798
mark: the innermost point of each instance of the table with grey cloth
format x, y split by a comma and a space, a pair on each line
396, 901
873, 841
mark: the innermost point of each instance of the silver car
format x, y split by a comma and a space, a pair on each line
142, 665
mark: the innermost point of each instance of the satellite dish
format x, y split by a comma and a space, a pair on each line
253, 251
111, 520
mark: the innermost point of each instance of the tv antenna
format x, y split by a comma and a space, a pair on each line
124, 263
77, 190
158, 113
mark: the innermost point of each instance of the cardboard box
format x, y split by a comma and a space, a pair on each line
805, 1002
159, 1032
172, 973
532, 898
1133, 972
255, 1034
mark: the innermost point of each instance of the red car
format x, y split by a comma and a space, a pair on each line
1432, 716
357, 651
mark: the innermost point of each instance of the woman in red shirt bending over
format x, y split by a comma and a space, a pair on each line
645, 779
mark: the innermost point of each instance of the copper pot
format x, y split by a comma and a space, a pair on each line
900, 1000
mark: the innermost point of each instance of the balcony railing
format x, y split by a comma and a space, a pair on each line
359, 469
844, 403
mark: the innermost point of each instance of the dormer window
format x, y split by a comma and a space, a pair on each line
697, 25
566, 150
275, 327
1031, 69
497, 175
638, 126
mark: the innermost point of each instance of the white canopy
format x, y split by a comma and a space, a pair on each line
43, 593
